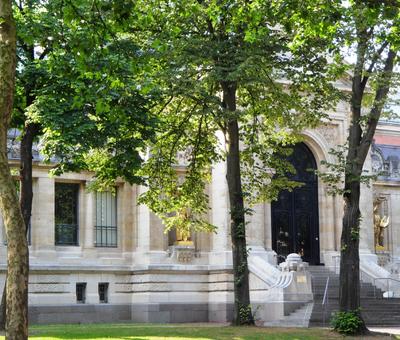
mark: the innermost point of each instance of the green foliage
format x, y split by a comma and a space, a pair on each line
81, 79
333, 174
348, 323
355, 233
245, 314
200, 46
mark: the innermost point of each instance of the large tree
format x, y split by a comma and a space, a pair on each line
17, 254
77, 87
371, 29
238, 70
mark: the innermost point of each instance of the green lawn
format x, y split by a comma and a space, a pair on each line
177, 332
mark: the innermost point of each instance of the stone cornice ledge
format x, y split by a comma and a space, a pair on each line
125, 269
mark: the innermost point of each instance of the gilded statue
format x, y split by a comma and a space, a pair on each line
183, 235
380, 224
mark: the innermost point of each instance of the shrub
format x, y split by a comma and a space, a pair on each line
347, 322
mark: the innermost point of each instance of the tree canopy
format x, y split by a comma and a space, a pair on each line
253, 74
199, 47
82, 82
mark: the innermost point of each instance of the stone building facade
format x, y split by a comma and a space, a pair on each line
102, 257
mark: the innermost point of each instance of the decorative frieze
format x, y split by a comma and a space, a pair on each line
330, 132
182, 253
386, 162
14, 146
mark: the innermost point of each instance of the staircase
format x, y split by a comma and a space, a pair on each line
299, 318
375, 311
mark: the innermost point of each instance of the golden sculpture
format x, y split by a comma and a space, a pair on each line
380, 224
183, 236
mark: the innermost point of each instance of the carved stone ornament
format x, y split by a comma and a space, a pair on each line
330, 133
293, 263
183, 253
377, 161
183, 157
386, 162
14, 146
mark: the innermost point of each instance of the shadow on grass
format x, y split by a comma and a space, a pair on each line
178, 332
173, 332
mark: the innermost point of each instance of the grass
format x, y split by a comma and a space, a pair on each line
178, 332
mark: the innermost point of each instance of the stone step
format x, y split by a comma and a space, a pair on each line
298, 323
322, 284
376, 311
376, 319
370, 314
335, 296
364, 306
369, 324
298, 318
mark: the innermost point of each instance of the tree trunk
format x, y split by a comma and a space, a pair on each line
26, 192
242, 308
359, 144
26, 195
17, 256
31, 130
17, 249
349, 286
3, 307
349, 290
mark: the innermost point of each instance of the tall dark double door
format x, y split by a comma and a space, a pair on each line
295, 226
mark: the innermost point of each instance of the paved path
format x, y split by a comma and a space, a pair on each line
390, 330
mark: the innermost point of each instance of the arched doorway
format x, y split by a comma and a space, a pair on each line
295, 226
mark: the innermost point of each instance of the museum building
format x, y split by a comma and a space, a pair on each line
101, 257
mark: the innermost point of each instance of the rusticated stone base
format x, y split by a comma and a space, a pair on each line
156, 312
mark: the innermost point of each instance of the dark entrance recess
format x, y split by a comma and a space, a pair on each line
295, 226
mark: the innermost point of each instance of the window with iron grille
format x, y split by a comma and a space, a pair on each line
81, 292
66, 214
106, 219
103, 292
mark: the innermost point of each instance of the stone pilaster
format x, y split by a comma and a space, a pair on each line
221, 243
126, 207
255, 227
267, 226
367, 215
143, 224
42, 222
150, 236
394, 225
87, 218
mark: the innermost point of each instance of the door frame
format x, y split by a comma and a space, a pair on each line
314, 237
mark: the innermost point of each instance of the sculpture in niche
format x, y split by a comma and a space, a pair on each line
182, 247
183, 235
380, 225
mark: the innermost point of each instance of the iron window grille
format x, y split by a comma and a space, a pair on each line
106, 220
66, 214
81, 292
103, 292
